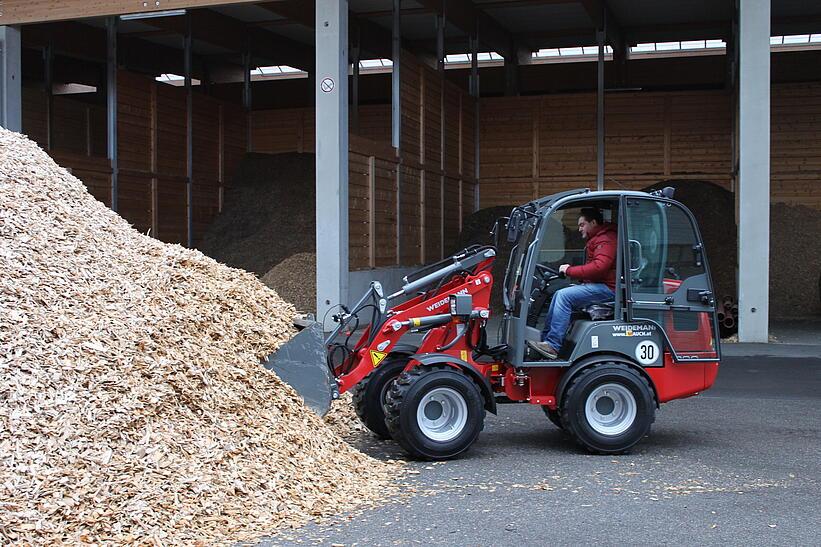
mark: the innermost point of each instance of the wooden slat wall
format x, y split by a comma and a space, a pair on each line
795, 146
533, 146
151, 137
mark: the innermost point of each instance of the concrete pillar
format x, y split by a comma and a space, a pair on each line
396, 113
11, 94
111, 106
331, 154
754, 170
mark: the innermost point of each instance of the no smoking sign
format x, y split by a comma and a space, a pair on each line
327, 85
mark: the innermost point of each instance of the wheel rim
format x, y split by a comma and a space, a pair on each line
442, 414
610, 409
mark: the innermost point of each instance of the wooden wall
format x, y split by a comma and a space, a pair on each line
404, 209
533, 146
151, 151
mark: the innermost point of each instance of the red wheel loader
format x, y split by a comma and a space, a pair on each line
422, 371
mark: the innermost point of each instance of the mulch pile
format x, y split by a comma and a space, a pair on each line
268, 215
795, 261
133, 406
294, 279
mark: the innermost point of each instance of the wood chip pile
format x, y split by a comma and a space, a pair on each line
295, 280
133, 408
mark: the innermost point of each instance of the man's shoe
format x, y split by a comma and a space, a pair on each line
544, 349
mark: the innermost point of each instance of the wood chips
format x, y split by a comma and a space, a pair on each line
133, 408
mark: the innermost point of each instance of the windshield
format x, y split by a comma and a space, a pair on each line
516, 264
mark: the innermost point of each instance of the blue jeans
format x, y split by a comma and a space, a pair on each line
565, 301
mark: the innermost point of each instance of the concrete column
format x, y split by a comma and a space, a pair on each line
331, 154
11, 94
111, 106
754, 170
600, 111
396, 114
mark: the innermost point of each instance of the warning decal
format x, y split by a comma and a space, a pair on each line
377, 357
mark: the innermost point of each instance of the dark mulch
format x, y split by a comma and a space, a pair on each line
269, 213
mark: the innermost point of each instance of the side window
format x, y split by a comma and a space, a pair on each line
663, 246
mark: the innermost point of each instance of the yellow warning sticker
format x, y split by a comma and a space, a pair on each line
464, 355
377, 357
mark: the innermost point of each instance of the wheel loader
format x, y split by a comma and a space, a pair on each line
423, 373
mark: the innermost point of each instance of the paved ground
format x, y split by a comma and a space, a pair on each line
740, 464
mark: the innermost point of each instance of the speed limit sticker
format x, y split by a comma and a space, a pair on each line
647, 352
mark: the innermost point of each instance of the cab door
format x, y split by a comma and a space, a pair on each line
667, 280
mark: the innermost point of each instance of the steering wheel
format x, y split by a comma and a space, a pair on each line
547, 271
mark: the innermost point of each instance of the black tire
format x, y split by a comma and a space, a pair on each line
626, 383
553, 415
411, 388
369, 394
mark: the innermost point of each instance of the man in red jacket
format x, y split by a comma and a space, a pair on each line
597, 276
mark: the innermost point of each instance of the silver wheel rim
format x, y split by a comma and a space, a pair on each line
442, 414
610, 409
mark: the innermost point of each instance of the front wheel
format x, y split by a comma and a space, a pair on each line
608, 408
434, 412
369, 395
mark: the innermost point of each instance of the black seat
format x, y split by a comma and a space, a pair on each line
600, 312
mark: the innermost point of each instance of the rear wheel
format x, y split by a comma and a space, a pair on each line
608, 408
434, 412
369, 395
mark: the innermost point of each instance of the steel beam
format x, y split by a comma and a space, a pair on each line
111, 106
331, 154
189, 133
475, 92
247, 97
11, 97
48, 85
600, 111
753, 192
355, 58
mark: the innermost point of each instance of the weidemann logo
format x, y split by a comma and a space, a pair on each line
444, 301
633, 330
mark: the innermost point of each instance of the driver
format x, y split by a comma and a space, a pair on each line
597, 276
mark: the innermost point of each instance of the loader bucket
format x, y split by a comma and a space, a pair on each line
301, 362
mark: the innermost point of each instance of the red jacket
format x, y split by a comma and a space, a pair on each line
600, 251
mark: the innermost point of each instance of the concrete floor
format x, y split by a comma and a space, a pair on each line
739, 464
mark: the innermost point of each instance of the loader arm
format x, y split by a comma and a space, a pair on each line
419, 314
